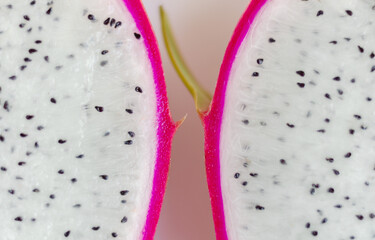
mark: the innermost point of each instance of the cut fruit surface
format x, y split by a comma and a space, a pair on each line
295, 113
85, 129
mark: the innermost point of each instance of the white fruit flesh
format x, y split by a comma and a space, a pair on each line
297, 137
77, 128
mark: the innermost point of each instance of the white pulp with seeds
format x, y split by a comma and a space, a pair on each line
298, 134
77, 121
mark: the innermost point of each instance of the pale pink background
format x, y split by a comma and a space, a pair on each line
202, 28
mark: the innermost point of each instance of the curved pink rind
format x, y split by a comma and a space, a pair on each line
166, 127
213, 119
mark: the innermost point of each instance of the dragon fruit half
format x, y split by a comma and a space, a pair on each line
290, 131
85, 129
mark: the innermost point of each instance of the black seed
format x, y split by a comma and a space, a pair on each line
271, 40
369, 99
245, 121
260, 61
347, 198
124, 192
336, 172
2, 138
112, 22
4, 169
52, 196
21, 163
118, 24
337, 78
18, 219
36, 145
255, 74
38, 41
314, 233
80, 156
11, 191
114, 234
363, 127
138, 89
301, 85
350, 13
23, 135
307, 225
13, 77
351, 131
357, 116
32, 50
338, 206
91, 17
315, 185
67, 233
361, 50
60, 171
339, 91
131, 134
352, 80
137, 35
40, 128
106, 21
372, 68
6, 106
77, 205
372, 55
290, 125
53, 100
27, 59
320, 12
348, 155
128, 142
21, 25
331, 190
236, 175
282, 161
129, 111
73, 180
333, 42
36, 190
29, 117
254, 174
23, 67
360, 217
103, 63
104, 177
372, 215
46, 58
301, 73
244, 183
104, 52
96, 228
321, 131
99, 108
49, 11
61, 141
124, 219
327, 96
123, 201
32, 2
258, 207
324, 220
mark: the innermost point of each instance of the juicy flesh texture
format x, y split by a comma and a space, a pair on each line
297, 135
77, 121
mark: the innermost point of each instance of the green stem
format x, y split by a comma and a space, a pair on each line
201, 97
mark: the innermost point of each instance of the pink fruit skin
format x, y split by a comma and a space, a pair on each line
212, 119
166, 127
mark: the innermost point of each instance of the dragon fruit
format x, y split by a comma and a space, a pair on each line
85, 129
289, 132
